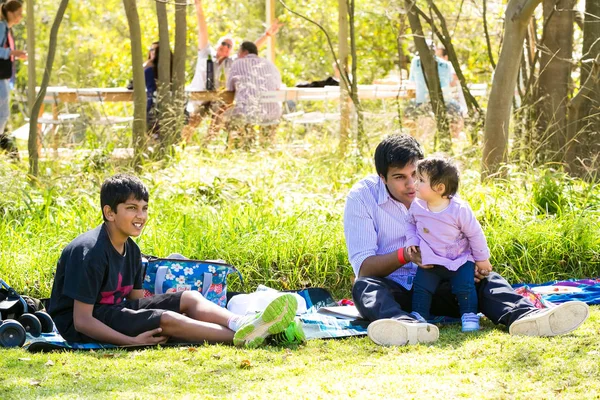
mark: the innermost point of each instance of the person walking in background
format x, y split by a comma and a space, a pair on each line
11, 13
419, 113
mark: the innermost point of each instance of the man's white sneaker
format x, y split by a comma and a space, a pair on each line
392, 332
552, 321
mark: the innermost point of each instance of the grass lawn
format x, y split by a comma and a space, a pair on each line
489, 364
277, 216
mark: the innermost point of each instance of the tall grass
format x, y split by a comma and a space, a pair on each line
277, 216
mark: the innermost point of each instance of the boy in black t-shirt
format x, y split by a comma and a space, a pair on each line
97, 293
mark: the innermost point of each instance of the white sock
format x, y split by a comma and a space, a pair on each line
234, 322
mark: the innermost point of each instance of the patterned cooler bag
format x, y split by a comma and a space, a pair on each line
167, 275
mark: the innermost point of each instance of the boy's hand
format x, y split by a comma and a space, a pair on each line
411, 249
149, 337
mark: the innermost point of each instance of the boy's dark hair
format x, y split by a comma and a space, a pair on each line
440, 170
250, 47
119, 188
396, 151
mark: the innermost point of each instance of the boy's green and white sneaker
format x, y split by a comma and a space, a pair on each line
276, 318
293, 334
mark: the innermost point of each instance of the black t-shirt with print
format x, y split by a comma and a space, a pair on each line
92, 271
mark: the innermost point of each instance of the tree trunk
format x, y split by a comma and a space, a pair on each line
443, 141
495, 139
585, 139
31, 76
35, 110
179, 56
586, 161
360, 134
343, 51
164, 97
555, 79
591, 36
139, 84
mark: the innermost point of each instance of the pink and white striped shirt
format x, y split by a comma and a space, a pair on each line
375, 224
249, 77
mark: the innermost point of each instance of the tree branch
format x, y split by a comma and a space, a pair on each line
343, 74
526, 9
487, 35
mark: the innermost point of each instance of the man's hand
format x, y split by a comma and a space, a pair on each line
482, 269
149, 338
426, 266
273, 29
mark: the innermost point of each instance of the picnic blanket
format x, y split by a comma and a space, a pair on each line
316, 326
586, 290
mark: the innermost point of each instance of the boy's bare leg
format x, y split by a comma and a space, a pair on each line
195, 306
203, 320
182, 327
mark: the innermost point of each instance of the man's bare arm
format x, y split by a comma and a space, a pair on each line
383, 265
86, 324
271, 31
202, 29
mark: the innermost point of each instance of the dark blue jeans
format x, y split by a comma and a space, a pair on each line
461, 283
378, 298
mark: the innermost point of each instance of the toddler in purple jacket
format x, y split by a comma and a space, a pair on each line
450, 238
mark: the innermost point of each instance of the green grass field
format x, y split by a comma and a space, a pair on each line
489, 364
277, 216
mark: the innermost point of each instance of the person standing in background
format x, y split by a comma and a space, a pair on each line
222, 59
11, 13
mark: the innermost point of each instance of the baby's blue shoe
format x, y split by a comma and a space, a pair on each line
417, 316
470, 322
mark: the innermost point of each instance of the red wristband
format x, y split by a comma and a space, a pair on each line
401, 256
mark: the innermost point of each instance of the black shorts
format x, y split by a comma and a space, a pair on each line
130, 317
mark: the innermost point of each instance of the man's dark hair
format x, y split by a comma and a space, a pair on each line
249, 47
396, 151
119, 188
443, 50
440, 170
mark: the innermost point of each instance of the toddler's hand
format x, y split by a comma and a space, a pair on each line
411, 250
483, 267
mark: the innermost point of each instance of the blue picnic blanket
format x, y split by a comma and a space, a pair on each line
316, 326
588, 290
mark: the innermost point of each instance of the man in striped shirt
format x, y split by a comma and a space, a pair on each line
250, 76
375, 222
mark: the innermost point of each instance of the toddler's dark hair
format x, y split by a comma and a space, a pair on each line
440, 170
